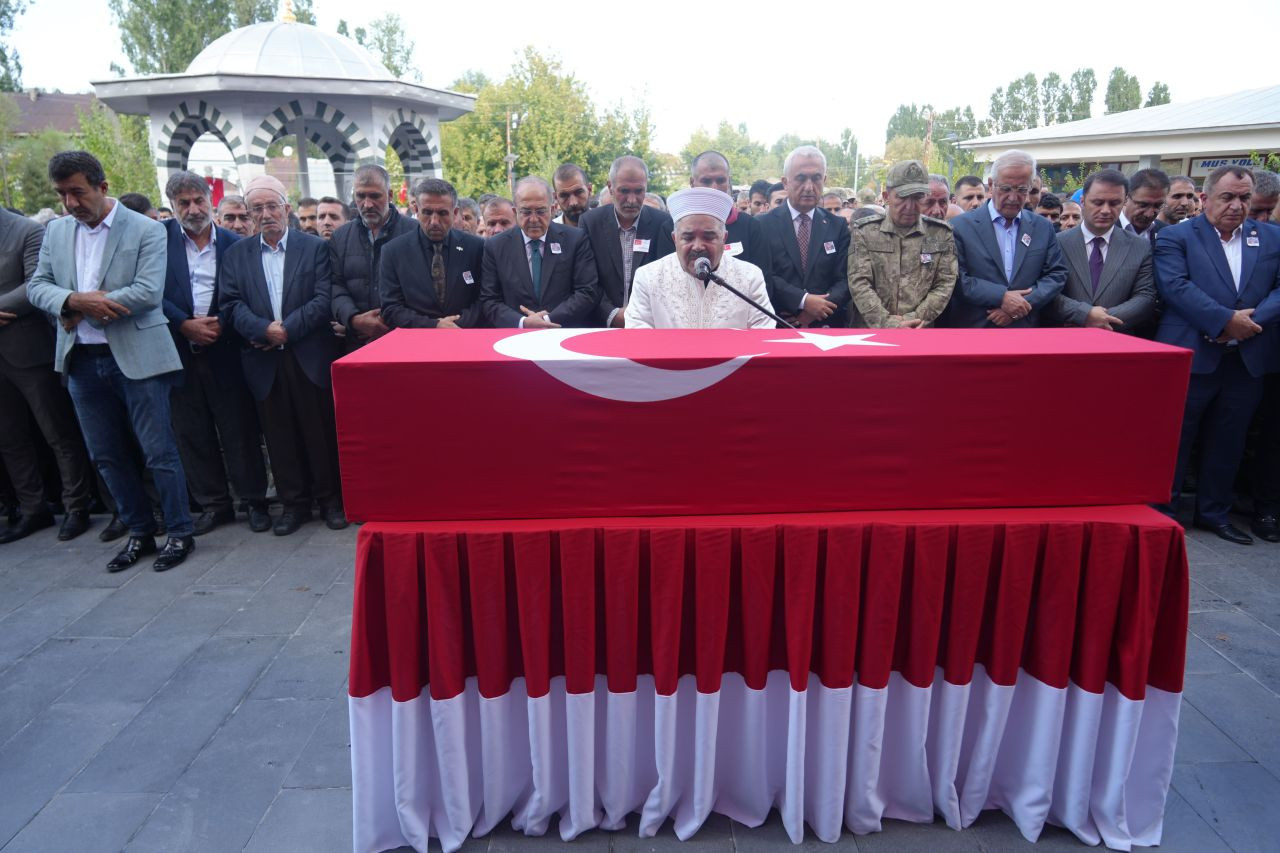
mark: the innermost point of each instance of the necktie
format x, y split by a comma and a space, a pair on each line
802, 237
535, 267
1095, 263
437, 271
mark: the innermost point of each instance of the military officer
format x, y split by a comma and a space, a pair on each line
902, 265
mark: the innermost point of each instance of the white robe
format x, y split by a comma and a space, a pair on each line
664, 296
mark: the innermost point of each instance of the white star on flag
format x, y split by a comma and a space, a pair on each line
830, 342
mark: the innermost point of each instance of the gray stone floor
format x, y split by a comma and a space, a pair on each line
204, 709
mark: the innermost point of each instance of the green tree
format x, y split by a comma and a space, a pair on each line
29, 175
120, 142
553, 121
1083, 85
1158, 95
1022, 103
386, 39
997, 112
909, 120
1123, 92
163, 36
748, 160
303, 13
10, 64
1055, 99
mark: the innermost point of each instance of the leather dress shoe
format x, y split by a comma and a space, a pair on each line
76, 522
1266, 527
207, 521
175, 550
114, 530
135, 549
25, 526
289, 522
1227, 531
334, 519
259, 518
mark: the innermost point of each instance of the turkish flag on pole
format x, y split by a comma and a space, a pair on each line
216, 190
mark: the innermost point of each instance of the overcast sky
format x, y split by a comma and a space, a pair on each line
695, 64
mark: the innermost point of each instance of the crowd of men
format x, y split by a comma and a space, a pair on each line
170, 354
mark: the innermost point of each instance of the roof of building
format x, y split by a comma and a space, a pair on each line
1249, 109
287, 49
39, 111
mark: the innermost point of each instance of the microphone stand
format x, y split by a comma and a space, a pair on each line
708, 275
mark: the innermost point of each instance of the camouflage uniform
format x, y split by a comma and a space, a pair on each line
908, 272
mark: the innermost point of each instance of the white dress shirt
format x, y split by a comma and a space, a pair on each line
795, 226
91, 243
273, 270
1088, 240
1233, 248
203, 266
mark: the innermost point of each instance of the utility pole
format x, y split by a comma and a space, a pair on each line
511, 162
928, 140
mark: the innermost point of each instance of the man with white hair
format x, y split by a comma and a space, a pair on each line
668, 294
1010, 263
809, 246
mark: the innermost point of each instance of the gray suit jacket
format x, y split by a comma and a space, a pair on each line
133, 266
28, 340
1127, 288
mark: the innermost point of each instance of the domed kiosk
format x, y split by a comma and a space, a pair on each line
267, 81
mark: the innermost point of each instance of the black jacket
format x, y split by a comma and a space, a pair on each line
408, 293
601, 226
354, 260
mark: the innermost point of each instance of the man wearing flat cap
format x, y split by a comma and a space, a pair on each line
275, 293
667, 294
902, 264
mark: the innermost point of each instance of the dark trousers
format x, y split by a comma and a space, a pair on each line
302, 439
111, 408
214, 417
1266, 483
40, 389
1219, 408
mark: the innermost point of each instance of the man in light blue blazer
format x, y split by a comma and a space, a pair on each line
1010, 263
101, 273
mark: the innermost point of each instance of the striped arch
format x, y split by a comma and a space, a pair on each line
340, 138
186, 124
408, 135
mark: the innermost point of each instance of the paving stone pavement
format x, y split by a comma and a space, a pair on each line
204, 709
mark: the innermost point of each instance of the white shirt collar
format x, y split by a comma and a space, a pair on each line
186, 238
528, 239
106, 220
281, 247
1089, 235
997, 215
795, 213
1235, 235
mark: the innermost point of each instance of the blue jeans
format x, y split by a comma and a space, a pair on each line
110, 406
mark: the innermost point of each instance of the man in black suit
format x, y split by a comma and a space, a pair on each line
431, 276
809, 247
275, 294
540, 274
1148, 189
211, 404
744, 236
27, 378
625, 235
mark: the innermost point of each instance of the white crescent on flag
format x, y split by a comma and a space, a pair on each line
611, 377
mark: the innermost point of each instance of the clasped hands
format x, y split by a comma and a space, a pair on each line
93, 303
1013, 306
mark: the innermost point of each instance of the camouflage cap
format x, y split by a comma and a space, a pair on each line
909, 177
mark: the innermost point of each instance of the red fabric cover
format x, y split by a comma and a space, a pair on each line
1086, 595
435, 424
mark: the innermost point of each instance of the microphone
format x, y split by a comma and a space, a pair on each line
702, 271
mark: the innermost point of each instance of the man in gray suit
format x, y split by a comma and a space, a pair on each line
1110, 283
27, 379
101, 272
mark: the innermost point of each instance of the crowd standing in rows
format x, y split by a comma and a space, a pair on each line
168, 354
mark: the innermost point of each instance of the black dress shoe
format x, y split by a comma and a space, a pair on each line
207, 521
175, 550
1266, 527
76, 522
1227, 531
25, 526
259, 518
334, 519
135, 549
114, 530
289, 522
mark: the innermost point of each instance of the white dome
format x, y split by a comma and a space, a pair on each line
275, 49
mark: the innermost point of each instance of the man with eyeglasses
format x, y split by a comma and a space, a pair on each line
809, 284
1005, 281
1147, 191
625, 235
540, 274
275, 293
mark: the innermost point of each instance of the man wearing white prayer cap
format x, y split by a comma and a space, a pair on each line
666, 294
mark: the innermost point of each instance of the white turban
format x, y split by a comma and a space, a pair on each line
703, 200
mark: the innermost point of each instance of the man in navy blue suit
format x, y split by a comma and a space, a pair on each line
1010, 264
1219, 277
275, 293
213, 412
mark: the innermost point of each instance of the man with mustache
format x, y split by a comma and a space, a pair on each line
1180, 204
213, 413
